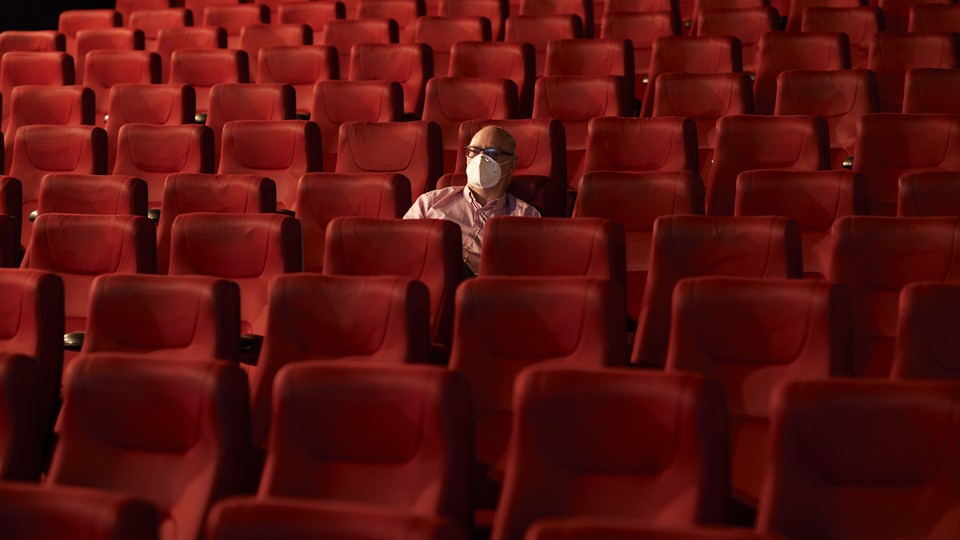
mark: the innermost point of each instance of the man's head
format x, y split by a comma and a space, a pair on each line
497, 144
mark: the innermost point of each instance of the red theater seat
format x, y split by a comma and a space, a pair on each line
174, 39
322, 197
926, 348
203, 68
234, 17
929, 193
690, 55
282, 150
931, 90
807, 328
275, 6
316, 318
35, 104
934, 17
641, 29
582, 9
256, 37
782, 51
839, 97
836, 444
442, 33
127, 7
629, 529
748, 25
669, 426
635, 200
896, 12
107, 68
874, 258
235, 101
20, 433
641, 145
173, 433
859, 23
299, 66
338, 102
893, 54
693, 246
591, 57
314, 14
747, 142
409, 64
157, 104
39, 68
185, 193
31, 41
404, 12
541, 149
495, 11
92, 194
153, 21
701, 6
538, 30
114, 39
514, 61
798, 9
413, 149
72, 21
345, 34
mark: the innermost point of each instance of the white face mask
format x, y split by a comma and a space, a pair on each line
483, 172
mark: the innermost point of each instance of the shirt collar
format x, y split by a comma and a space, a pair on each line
497, 204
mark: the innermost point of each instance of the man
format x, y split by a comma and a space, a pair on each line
491, 159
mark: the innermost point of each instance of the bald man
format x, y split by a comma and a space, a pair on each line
491, 159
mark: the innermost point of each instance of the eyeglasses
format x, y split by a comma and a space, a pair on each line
495, 153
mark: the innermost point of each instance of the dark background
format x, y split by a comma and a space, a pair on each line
41, 14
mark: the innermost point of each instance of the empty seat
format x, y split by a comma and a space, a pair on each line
345, 34
892, 54
690, 55
321, 197
299, 66
39, 68
681, 452
839, 97
153, 21
116, 39
926, 323
164, 105
63, 244
693, 246
283, 150
933, 17
35, 104
185, 193
234, 17
442, 33
409, 64
641, 29
424, 249
451, 101
43, 149
414, 149
795, 15
807, 324
127, 7
874, 258
20, 436
896, 12
152, 152
514, 61
929, 193
704, 98
591, 57
316, 15
72, 21
234, 101
404, 12
814, 199
507, 324
575, 101
174, 39
202, 69
582, 9
256, 37
92, 194
538, 30
106, 68
316, 318
931, 90
749, 25
782, 51
889, 145
635, 200
193, 454
338, 102
31, 41
836, 444
641, 145
860, 24
702, 6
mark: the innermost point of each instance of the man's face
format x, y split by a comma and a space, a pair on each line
489, 142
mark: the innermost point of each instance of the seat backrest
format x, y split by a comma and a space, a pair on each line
747, 24
873, 259
889, 145
859, 23
656, 452
583, 9
256, 37
42, 149
152, 152
338, 102
805, 326
782, 51
539, 30
711, 54
839, 97
68, 193
929, 193
190, 37
203, 68
746, 142
72, 21
442, 33
283, 150
127, 7
926, 348
407, 446
250, 249
301, 66
896, 13
31, 41
404, 12
641, 145
933, 17
450, 101
849, 441
495, 60
635, 200
414, 149
105, 68
234, 17
185, 422
20, 433
591, 57
161, 17
507, 324
184, 193
182, 317
814, 199
235, 101
159, 104
117, 39
424, 249
81, 247
495, 11
316, 15
380, 320
344, 34
931, 90
36, 104
40, 68
693, 246
322, 197
798, 9
409, 64
642, 29
541, 146
892, 54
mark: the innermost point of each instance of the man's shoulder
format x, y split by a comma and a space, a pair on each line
519, 207
440, 196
